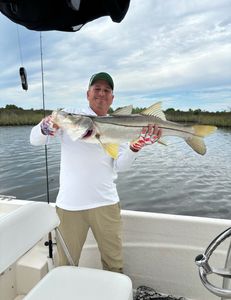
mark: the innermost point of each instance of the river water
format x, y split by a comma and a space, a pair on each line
172, 179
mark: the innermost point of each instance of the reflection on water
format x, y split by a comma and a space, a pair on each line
170, 179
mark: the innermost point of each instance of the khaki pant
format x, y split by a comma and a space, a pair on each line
105, 223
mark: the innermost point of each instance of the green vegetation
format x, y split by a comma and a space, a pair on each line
219, 119
12, 115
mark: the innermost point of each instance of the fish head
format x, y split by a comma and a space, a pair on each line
77, 126
80, 127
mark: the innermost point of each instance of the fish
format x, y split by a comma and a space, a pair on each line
122, 126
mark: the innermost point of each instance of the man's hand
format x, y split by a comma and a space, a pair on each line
149, 135
48, 127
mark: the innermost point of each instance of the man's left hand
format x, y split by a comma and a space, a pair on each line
149, 135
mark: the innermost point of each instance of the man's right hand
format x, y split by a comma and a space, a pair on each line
48, 127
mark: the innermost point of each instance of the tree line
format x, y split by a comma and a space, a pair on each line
14, 115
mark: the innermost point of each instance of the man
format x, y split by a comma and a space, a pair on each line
87, 195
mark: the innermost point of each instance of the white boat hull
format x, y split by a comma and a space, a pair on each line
159, 252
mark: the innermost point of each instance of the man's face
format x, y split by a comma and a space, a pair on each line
100, 97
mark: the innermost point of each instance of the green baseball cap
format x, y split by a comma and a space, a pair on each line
102, 76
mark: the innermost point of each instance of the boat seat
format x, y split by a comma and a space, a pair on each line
21, 229
82, 283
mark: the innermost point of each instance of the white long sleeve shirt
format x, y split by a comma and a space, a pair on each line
87, 173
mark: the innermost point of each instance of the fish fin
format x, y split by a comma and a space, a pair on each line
111, 149
126, 110
154, 110
162, 142
203, 130
197, 144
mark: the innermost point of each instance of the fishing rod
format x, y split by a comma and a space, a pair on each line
23, 76
49, 243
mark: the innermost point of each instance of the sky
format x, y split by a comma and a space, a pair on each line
174, 51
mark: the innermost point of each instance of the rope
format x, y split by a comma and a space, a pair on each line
19, 45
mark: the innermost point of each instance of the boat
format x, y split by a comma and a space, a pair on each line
159, 253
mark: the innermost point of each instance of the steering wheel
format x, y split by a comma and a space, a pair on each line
202, 261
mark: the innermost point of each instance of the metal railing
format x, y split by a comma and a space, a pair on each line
202, 261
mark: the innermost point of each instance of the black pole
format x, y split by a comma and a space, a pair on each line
50, 243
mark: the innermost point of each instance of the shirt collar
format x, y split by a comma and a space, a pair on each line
90, 111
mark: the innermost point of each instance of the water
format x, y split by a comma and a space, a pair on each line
170, 179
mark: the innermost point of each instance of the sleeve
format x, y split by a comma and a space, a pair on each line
125, 158
36, 136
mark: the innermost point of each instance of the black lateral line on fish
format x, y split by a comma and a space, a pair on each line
163, 127
179, 130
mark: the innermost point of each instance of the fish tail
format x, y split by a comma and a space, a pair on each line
196, 142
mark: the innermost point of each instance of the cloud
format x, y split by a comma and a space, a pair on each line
175, 50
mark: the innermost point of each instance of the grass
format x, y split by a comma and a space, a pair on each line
219, 119
16, 117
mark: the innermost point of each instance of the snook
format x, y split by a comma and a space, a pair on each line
122, 126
